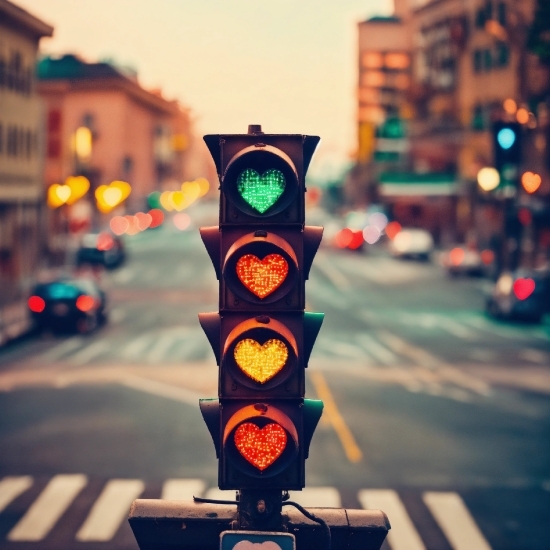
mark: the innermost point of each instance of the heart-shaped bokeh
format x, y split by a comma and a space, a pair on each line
79, 186
262, 277
261, 447
261, 191
110, 196
531, 181
523, 288
261, 363
74, 188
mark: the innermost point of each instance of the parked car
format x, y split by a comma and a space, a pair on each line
412, 243
467, 260
67, 304
102, 248
523, 295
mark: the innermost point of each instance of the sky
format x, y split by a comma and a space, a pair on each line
289, 65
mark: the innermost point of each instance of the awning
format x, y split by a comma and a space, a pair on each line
408, 184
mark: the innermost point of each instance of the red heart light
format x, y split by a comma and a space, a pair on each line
523, 288
260, 446
262, 277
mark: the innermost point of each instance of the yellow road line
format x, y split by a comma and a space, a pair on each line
352, 450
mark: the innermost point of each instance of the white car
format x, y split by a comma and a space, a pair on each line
412, 243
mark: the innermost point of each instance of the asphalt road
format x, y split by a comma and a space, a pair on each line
433, 412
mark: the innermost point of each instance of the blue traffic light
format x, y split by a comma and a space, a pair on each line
506, 138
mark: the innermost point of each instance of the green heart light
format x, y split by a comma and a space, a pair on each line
261, 192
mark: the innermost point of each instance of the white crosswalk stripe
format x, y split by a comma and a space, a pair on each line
12, 487
382, 353
46, 510
455, 521
403, 535
110, 509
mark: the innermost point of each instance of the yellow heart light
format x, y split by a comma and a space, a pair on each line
191, 191
166, 201
178, 200
57, 195
63, 192
79, 186
261, 363
112, 196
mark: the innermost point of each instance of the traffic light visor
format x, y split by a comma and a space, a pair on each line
260, 267
260, 440
260, 180
260, 353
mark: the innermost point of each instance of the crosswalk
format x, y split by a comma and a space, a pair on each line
106, 516
371, 347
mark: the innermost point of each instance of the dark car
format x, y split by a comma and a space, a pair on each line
67, 304
102, 248
523, 294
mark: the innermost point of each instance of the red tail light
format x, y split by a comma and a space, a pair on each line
456, 256
85, 303
36, 304
104, 242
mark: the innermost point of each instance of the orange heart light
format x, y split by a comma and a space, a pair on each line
262, 277
260, 446
79, 186
261, 363
531, 181
110, 196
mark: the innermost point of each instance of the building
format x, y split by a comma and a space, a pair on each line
469, 67
21, 163
102, 124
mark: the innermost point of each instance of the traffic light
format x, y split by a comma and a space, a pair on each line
507, 144
262, 252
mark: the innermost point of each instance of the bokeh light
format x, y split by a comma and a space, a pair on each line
531, 181
372, 234
181, 220
488, 178
392, 229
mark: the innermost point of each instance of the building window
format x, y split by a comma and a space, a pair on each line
54, 148
501, 13
502, 55
487, 60
480, 18
127, 166
478, 119
1, 139
488, 10
476, 58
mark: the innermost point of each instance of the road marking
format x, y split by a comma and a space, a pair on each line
444, 371
117, 315
352, 450
125, 275
402, 535
339, 349
46, 510
161, 389
61, 349
135, 348
455, 521
182, 489
382, 353
337, 278
317, 497
534, 355
110, 510
88, 353
11, 488
160, 347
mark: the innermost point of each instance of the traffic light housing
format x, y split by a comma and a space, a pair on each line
507, 146
262, 252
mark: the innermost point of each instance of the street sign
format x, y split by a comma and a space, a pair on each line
254, 540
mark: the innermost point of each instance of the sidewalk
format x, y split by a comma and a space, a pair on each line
14, 321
